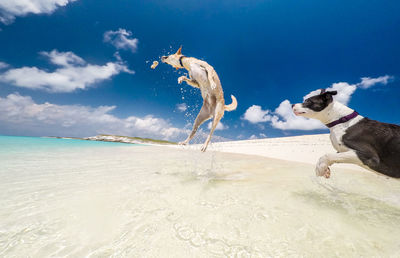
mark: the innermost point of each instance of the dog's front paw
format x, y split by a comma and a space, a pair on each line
181, 79
204, 147
322, 168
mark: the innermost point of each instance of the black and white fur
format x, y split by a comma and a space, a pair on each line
361, 141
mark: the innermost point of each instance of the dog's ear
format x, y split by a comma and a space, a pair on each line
334, 92
328, 96
179, 52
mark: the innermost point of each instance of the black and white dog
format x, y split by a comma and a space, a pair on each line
358, 140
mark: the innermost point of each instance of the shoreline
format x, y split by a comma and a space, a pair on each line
118, 139
304, 149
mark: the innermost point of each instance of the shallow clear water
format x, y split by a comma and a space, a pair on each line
104, 199
12, 146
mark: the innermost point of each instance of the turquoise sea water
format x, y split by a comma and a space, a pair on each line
20, 144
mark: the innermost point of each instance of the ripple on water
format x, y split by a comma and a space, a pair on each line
121, 203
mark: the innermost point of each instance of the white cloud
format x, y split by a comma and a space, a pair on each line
255, 114
255, 137
3, 65
344, 91
285, 119
73, 73
121, 39
220, 126
9, 9
21, 115
367, 82
181, 107
63, 58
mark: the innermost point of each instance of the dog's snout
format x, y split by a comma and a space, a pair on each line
164, 58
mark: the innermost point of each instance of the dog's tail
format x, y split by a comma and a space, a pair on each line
233, 105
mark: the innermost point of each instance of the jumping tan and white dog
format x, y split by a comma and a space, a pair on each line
202, 76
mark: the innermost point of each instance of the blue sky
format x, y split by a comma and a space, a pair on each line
61, 75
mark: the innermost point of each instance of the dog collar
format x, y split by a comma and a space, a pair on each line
342, 119
180, 60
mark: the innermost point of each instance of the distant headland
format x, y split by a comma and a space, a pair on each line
119, 138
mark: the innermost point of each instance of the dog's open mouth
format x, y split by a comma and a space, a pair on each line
298, 113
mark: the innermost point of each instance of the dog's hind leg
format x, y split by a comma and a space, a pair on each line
386, 164
219, 112
203, 116
372, 160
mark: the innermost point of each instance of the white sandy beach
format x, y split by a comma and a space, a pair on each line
306, 149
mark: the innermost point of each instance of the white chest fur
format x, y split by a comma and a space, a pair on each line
337, 132
199, 74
